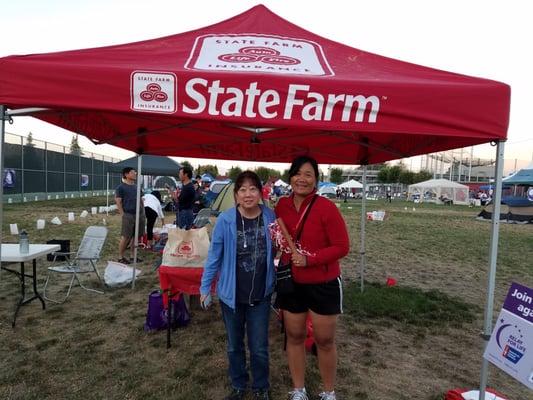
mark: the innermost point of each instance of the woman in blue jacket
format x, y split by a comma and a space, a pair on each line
242, 256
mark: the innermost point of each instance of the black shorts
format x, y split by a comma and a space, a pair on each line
321, 298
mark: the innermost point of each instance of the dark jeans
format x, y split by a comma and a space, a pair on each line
185, 219
253, 319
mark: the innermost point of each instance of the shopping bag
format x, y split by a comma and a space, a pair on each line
186, 248
117, 274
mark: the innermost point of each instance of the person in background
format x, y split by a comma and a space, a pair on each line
198, 198
316, 273
126, 201
389, 195
266, 192
185, 199
242, 256
152, 209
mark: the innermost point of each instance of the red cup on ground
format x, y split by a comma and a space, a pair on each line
391, 281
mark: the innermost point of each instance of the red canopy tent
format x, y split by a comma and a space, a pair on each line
257, 87
191, 94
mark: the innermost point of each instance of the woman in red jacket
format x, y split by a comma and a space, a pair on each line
316, 272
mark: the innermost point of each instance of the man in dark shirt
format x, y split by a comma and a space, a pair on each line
185, 199
126, 200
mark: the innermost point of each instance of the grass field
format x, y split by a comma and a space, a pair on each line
413, 341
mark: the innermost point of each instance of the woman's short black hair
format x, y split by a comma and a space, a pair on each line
301, 160
247, 176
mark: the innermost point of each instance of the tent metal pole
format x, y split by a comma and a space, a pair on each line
107, 195
363, 222
135, 243
493, 257
2, 132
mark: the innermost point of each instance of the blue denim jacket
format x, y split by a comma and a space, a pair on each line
222, 256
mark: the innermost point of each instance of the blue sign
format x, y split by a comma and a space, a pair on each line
511, 344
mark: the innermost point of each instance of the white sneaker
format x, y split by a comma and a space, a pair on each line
298, 394
327, 396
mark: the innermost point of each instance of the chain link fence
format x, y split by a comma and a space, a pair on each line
36, 170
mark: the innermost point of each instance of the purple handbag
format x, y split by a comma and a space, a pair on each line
157, 316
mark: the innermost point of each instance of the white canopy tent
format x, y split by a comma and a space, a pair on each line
279, 182
436, 190
351, 184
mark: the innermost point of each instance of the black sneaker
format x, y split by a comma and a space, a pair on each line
261, 395
236, 394
123, 260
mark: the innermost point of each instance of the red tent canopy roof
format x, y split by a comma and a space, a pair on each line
256, 87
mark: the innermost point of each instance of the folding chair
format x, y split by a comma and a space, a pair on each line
202, 218
84, 262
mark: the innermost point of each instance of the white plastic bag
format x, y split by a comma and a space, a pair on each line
117, 274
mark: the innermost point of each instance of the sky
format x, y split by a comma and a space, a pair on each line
483, 38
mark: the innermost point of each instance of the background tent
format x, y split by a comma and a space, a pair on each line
282, 91
522, 177
224, 200
351, 184
279, 182
328, 191
152, 165
207, 177
433, 190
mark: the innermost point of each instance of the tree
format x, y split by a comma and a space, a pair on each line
29, 140
75, 146
422, 176
406, 177
285, 176
335, 175
234, 172
266, 174
394, 173
383, 174
208, 169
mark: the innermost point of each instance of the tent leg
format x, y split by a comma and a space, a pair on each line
363, 230
493, 257
135, 243
107, 195
2, 131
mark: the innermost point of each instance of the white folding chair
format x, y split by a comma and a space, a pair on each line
84, 261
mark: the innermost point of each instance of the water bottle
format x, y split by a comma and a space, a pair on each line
24, 243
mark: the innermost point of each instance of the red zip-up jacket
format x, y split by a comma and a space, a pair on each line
324, 235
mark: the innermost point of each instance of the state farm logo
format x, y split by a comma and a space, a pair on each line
258, 53
266, 55
153, 91
185, 249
